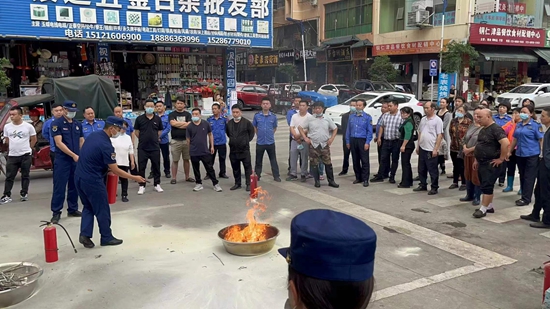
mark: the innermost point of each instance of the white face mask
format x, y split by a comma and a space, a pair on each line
71, 115
117, 135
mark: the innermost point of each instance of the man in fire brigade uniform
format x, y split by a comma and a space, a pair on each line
97, 157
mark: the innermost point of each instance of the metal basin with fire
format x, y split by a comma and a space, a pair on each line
249, 248
19, 281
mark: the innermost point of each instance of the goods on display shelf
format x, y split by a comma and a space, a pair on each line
507, 79
104, 69
146, 81
54, 67
187, 70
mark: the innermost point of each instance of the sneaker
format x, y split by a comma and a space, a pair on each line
291, 178
303, 178
5, 200
125, 199
141, 190
217, 188
158, 189
24, 197
198, 187
76, 213
321, 177
55, 218
479, 214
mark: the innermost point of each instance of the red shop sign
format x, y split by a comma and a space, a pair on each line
504, 35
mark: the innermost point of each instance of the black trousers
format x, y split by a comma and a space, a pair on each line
511, 165
236, 158
272, 154
527, 175
386, 172
406, 168
428, 165
13, 164
458, 168
143, 157
222, 151
347, 152
208, 166
389, 157
124, 181
165, 151
361, 159
542, 193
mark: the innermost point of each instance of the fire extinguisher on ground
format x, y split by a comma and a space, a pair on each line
112, 182
253, 185
50, 241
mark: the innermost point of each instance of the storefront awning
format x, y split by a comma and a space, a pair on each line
511, 57
543, 53
341, 40
362, 44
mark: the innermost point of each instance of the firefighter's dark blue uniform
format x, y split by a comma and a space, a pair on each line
64, 165
91, 169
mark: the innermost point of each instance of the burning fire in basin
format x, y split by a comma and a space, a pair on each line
253, 237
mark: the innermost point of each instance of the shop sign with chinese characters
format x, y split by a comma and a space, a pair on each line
263, 60
421, 47
512, 8
205, 22
335, 54
231, 76
504, 35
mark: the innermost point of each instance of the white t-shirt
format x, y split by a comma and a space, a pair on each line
297, 121
429, 129
123, 148
19, 138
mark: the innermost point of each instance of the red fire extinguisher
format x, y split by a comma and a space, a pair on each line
546, 285
50, 241
253, 185
112, 181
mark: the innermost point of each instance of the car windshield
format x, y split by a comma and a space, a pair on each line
365, 96
382, 86
524, 89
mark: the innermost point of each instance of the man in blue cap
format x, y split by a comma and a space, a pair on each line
68, 137
331, 260
57, 112
98, 156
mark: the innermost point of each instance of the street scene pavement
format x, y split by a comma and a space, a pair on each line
431, 252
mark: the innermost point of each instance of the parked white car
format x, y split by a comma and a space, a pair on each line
374, 102
332, 89
428, 93
538, 93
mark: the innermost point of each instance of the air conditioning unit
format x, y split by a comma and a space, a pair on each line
313, 2
418, 17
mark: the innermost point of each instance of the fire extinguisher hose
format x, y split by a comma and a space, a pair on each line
48, 223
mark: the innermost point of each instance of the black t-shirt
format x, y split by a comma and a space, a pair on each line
177, 133
198, 134
488, 147
148, 132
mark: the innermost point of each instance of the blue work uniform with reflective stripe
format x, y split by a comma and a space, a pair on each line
528, 138
91, 169
88, 128
502, 120
64, 165
265, 125
359, 126
218, 130
47, 133
166, 125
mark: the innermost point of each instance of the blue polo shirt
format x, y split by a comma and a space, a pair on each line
502, 121
130, 129
528, 138
70, 133
359, 126
88, 128
97, 153
166, 125
289, 114
218, 130
265, 126
46, 133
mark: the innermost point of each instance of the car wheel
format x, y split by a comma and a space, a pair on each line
240, 104
417, 118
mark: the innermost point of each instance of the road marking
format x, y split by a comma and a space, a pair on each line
447, 201
145, 209
545, 234
506, 214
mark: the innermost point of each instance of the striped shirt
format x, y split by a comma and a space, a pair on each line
391, 124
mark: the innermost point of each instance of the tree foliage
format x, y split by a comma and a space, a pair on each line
289, 70
457, 56
382, 69
5, 81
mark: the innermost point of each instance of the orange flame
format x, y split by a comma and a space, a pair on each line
254, 231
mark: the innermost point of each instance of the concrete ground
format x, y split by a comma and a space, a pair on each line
431, 253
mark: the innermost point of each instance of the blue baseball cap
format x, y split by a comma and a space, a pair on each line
330, 245
113, 120
70, 106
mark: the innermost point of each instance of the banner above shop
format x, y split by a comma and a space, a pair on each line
192, 22
420, 47
291, 56
263, 60
504, 35
336, 54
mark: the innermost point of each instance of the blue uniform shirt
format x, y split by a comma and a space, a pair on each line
289, 115
218, 129
88, 128
502, 121
70, 132
130, 129
166, 125
359, 126
46, 133
97, 154
528, 138
265, 125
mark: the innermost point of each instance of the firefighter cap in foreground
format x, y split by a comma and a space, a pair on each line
330, 245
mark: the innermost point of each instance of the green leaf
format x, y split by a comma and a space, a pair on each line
457, 56
4, 79
383, 70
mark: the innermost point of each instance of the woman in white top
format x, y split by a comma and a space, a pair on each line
124, 150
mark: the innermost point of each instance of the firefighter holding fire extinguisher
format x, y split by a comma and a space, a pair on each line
97, 157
